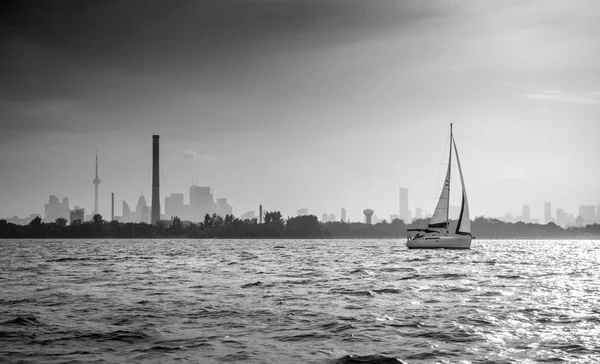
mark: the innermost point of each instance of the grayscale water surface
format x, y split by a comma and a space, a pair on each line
298, 301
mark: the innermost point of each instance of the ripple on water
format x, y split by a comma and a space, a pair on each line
265, 301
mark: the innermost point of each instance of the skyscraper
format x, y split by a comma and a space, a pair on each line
77, 216
223, 208
201, 203
126, 212
141, 211
343, 214
55, 209
155, 183
561, 218
525, 215
174, 207
404, 212
303, 211
96, 182
547, 212
588, 212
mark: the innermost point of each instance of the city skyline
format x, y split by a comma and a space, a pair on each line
312, 104
205, 202
202, 201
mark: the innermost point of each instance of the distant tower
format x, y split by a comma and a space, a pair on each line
96, 183
547, 212
343, 214
525, 214
404, 212
368, 213
155, 215
112, 206
260, 216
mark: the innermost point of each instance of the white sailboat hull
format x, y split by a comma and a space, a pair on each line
440, 242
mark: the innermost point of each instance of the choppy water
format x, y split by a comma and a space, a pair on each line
298, 301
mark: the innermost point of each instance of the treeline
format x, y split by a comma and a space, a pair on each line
274, 226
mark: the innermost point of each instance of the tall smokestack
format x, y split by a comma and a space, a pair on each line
155, 215
112, 206
260, 214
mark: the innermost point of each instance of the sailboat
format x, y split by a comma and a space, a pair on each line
437, 235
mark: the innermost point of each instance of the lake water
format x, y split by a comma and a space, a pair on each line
298, 301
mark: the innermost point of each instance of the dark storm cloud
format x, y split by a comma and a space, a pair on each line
49, 47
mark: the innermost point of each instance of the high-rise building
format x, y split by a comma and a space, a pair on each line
404, 212
223, 208
174, 207
588, 213
324, 217
141, 211
126, 213
155, 181
561, 218
548, 212
55, 209
145, 215
331, 217
343, 214
77, 216
201, 203
418, 213
525, 214
96, 182
303, 211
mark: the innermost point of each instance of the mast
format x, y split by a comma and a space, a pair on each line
449, 172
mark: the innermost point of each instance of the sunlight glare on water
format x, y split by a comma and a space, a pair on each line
314, 301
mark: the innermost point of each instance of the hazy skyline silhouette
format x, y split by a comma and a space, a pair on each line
301, 104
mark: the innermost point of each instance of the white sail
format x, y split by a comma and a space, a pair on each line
440, 216
464, 221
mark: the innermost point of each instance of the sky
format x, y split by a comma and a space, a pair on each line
317, 104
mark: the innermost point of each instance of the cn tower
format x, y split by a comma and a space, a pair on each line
96, 183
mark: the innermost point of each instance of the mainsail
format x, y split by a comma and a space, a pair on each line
440, 216
464, 222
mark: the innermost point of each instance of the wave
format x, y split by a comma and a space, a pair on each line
368, 359
352, 292
436, 276
255, 284
23, 321
459, 336
126, 336
71, 259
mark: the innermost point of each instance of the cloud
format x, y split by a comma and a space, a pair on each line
190, 154
201, 158
564, 96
